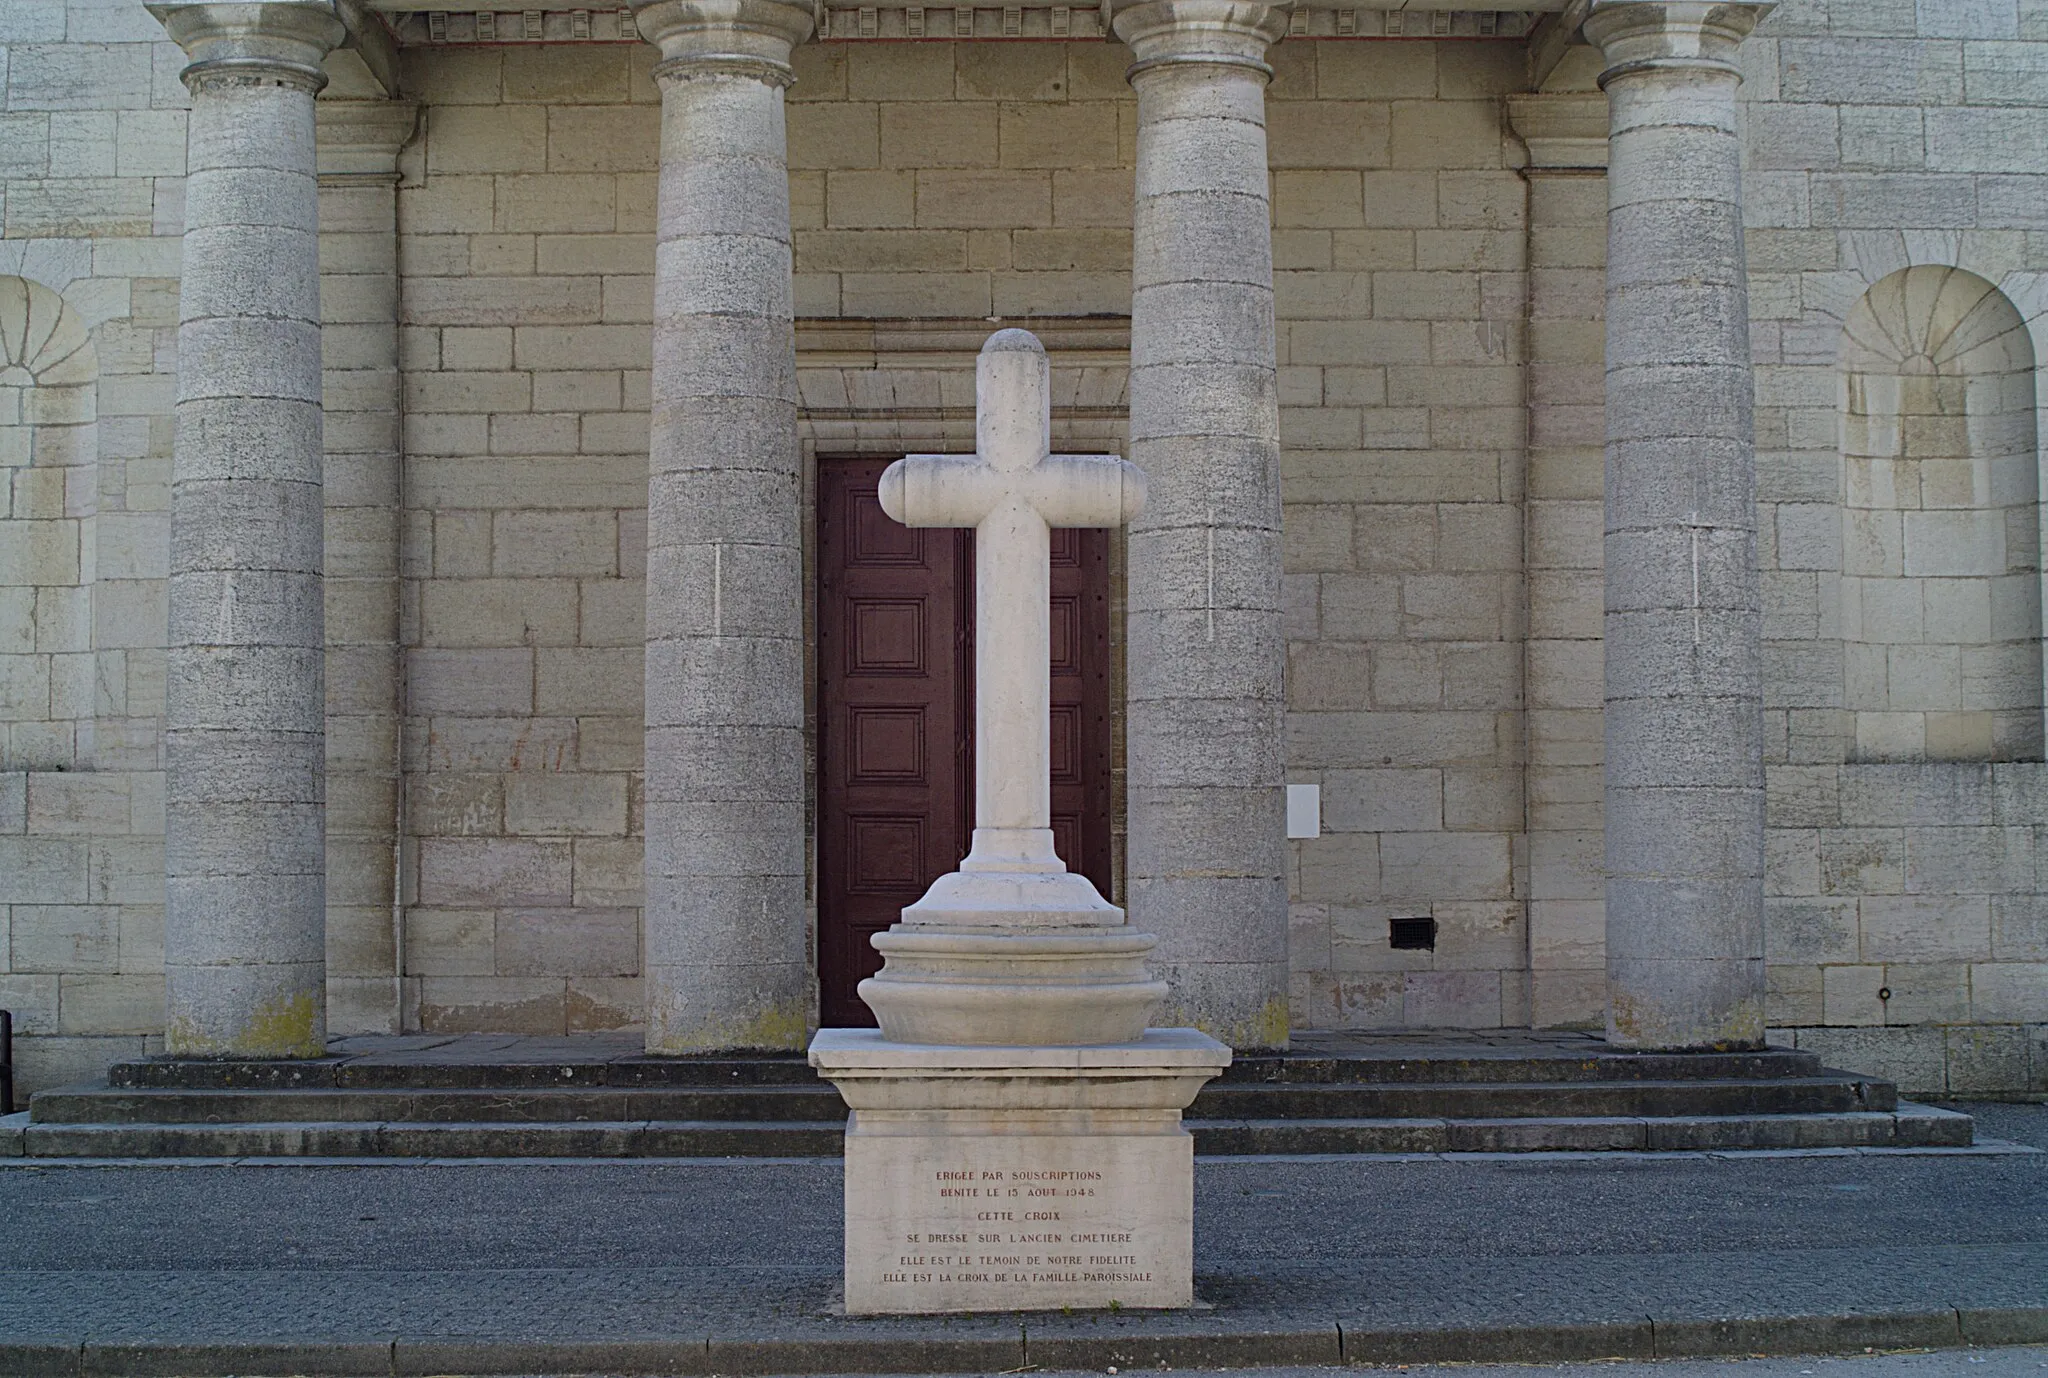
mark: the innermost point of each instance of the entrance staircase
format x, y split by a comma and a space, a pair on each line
600, 1096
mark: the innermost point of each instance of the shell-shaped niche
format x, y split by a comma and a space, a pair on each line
1941, 535
48, 451
43, 343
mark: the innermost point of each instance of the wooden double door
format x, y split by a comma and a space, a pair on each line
895, 622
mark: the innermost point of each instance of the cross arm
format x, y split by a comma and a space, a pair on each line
1087, 490
940, 490
961, 490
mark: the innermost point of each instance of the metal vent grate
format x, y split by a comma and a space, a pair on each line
1412, 935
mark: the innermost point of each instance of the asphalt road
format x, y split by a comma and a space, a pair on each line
586, 1250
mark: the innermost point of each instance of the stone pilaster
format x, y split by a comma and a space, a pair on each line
1683, 719
244, 959
1207, 655
359, 142
1566, 139
726, 964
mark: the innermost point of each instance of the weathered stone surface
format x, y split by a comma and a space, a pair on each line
244, 958
1205, 428
725, 945
1684, 763
1439, 336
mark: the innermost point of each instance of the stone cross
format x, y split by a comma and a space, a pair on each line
1012, 491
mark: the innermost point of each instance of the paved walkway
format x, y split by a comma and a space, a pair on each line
2022, 1362
731, 1267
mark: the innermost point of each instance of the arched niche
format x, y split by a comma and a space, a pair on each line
49, 374
1941, 560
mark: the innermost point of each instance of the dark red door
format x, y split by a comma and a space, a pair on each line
896, 716
1080, 702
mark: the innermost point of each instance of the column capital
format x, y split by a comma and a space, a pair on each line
1663, 35
751, 38
268, 42
359, 140
1170, 33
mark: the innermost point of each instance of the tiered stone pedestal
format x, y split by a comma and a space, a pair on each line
989, 1178
1015, 1141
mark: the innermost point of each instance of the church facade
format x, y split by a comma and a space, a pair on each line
1592, 575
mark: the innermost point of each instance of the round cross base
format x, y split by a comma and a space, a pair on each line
1012, 901
1072, 987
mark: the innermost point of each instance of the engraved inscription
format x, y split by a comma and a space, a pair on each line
1017, 1226
1017, 1222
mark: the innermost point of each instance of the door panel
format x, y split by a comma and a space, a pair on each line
1080, 702
892, 723
896, 716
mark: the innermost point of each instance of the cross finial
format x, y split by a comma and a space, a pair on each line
1013, 397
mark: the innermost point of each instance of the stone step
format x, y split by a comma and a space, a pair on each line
576, 1067
483, 1068
1277, 1101
1910, 1126
601, 1096
1492, 1100
1520, 1068
100, 1105
403, 1139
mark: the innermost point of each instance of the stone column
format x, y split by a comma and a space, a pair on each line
1684, 779
244, 866
1207, 809
359, 145
726, 964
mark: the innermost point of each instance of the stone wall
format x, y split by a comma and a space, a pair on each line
1439, 272
1906, 928
1400, 252
526, 257
1903, 932
961, 181
92, 155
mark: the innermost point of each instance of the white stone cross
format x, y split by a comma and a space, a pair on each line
1012, 491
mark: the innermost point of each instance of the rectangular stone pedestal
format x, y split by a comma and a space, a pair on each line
1017, 1179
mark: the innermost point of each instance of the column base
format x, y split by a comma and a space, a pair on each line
1018, 1179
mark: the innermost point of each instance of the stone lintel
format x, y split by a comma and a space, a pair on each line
1423, 8
371, 49
1559, 58
426, 23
